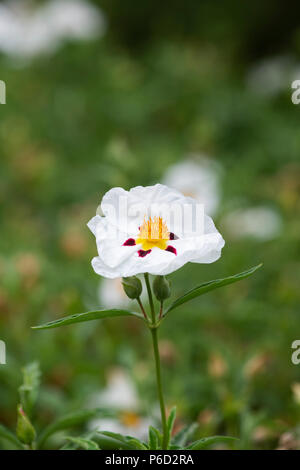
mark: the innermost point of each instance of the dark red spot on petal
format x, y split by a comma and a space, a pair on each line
143, 253
172, 236
171, 249
129, 242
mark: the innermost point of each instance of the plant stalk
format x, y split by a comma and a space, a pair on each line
159, 386
146, 275
157, 364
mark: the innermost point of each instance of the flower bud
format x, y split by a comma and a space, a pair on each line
132, 287
161, 288
25, 430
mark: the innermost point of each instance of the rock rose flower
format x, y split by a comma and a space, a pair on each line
153, 229
27, 31
197, 176
148, 230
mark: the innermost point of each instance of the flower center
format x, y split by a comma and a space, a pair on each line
130, 419
153, 233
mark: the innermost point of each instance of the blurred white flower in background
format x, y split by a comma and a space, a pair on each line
198, 177
120, 392
128, 424
112, 295
272, 75
27, 31
73, 19
120, 395
262, 223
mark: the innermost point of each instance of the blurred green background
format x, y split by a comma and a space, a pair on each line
165, 83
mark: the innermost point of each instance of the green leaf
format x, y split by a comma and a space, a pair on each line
211, 285
170, 424
138, 445
82, 443
87, 316
159, 437
113, 441
110, 443
29, 389
153, 439
184, 435
208, 441
9, 436
68, 421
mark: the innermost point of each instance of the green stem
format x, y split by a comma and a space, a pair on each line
146, 275
157, 364
159, 387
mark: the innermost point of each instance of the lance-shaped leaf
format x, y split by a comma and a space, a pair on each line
87, 316
155, 438
170, 424
83, 443
184, 435
152, 441
67, 421
113, 441
211, 285
208, 441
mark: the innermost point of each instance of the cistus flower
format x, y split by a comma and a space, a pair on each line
150, 230
197, 176
121, 396
261, 223
153, 229
269, 76
120, 392
126, 423
27, 30
111, 293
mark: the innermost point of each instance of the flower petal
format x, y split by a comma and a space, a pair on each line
93, 223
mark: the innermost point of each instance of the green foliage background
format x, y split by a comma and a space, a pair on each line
118, 111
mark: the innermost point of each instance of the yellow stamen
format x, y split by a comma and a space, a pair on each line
130, 419
153, 233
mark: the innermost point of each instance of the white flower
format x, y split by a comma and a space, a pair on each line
128, 424
262, 223
111, 294
26, 31
120, 395
197, 177
120, 392
273, 75
72, 19
151, 229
